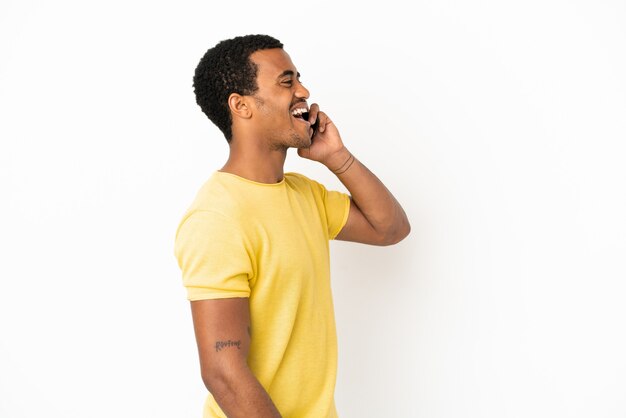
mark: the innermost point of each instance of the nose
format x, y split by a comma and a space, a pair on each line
302, 91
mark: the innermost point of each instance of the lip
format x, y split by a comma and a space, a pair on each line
300, 106
302, 121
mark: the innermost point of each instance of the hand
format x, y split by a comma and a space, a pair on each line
326, 144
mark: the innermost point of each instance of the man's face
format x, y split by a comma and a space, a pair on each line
279, 95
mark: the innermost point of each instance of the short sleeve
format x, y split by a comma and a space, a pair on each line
212, 255
337, 207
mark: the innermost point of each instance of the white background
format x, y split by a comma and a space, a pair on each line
499, 126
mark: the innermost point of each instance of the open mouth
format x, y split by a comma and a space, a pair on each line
301, 113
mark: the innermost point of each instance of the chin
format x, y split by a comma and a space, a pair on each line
299, 141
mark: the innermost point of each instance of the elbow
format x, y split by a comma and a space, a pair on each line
214, 381
218, 381
397, 234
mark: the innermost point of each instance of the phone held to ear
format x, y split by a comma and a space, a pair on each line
305, 116
314, 126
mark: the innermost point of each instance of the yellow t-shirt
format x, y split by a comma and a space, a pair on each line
270, 243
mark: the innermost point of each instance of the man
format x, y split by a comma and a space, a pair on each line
254, 245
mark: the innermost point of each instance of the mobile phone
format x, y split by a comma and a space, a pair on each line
315, 125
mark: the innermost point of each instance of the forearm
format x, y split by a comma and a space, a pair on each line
240, 395
378, 205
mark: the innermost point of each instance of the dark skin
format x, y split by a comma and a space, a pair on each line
224, 368
264, 128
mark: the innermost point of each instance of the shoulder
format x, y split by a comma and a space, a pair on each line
217, 195
214, 203
298, 180
292, 176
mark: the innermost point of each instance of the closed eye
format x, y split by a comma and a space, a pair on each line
290, 82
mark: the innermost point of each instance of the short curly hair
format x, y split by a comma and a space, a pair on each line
224, 69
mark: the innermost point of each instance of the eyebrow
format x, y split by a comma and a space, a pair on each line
288, 73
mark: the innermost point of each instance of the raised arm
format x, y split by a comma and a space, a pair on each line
222, 328
375, 215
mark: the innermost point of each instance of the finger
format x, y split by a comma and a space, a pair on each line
313, 111
323, 121
312, 130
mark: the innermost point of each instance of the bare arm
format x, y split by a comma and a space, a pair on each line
222, 328
375, 215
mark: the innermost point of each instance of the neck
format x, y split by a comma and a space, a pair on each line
255, 163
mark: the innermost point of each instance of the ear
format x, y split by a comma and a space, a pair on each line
239, 106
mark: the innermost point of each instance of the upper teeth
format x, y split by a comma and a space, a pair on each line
299, 111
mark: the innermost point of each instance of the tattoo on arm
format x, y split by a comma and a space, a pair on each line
220, 345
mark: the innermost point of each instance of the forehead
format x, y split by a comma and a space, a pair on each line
272, 63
